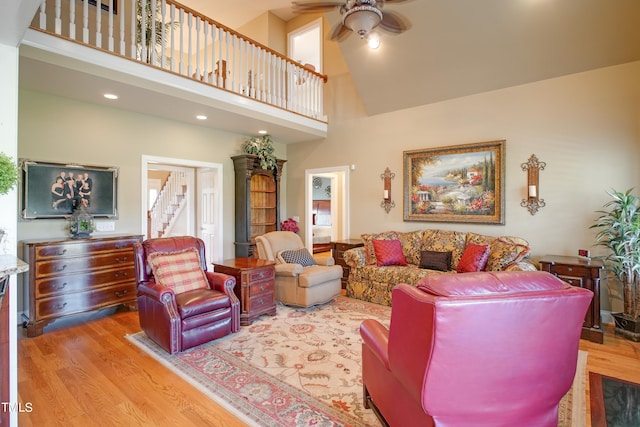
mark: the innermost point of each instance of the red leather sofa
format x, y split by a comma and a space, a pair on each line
475, 349
178, 321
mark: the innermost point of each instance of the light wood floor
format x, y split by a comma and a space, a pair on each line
88, 374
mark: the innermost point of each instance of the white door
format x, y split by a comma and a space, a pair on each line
209, 212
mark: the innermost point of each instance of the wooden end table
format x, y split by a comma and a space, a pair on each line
337, 250
584, 273
255, 286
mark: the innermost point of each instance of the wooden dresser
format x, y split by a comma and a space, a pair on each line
255, 286
337, 249
583, 273
71, 276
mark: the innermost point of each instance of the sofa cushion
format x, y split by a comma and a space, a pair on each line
319, 275
504, 251
474, 258
388, 252
435, 260
297, 256
411, 245
445, 241
368, 245
179, 270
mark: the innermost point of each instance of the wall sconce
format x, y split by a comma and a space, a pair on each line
387, 203
533, 202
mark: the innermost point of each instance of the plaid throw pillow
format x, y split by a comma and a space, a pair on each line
180, 270
297, 256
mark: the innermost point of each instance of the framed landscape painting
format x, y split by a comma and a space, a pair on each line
55, 190
461, 183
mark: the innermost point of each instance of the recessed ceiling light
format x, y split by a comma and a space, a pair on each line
201, 117
262, 132
110, 96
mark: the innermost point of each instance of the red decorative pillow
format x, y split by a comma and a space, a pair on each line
180, 270
388, 252
474, 258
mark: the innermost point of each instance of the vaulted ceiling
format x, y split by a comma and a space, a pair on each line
457, 48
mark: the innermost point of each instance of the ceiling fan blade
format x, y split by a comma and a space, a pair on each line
394, 22
315, 6
340, 32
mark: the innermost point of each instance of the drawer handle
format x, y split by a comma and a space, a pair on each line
261, 302
262, 287
58, 268
121, 260
121, 245
121, 294
62, 252
60, 306
120, 273
57, 286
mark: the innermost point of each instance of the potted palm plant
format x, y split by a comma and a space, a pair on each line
620, 232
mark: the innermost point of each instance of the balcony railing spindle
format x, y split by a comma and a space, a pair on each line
162, 33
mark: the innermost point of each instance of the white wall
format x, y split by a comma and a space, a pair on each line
586, 127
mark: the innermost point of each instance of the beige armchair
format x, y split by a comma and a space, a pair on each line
301, 279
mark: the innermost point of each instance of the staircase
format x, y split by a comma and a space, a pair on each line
168, 204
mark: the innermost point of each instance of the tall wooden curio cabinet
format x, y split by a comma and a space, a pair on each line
257, 201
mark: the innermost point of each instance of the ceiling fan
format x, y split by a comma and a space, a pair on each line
359, 16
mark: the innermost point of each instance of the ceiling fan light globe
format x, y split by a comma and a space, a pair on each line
362, 19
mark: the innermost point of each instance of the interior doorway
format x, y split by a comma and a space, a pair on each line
201, 212
326, 214
304, 45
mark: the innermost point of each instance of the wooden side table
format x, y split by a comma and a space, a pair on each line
585, 274
255, 286
337, 249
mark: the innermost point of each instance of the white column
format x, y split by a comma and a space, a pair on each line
9, 202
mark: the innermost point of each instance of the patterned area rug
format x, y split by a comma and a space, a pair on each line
298, 368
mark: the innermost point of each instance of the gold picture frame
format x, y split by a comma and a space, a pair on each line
460, 183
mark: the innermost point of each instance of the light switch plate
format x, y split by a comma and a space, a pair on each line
105, 225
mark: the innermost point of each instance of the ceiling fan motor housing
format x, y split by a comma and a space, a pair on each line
362, 17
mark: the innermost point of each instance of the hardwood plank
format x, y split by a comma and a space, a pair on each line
83, 371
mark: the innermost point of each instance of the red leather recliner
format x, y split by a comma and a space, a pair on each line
177, 322
475, 349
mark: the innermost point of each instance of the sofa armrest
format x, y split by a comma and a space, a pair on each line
325, 260
289, 270
156, 292
523, 265
354, 257
376, 337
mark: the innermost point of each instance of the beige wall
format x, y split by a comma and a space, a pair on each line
56, 129
586, 128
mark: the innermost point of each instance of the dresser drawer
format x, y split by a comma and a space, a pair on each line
262, 287
259, 274
85, 263
82, 248
54, 285
79, 302
262, 303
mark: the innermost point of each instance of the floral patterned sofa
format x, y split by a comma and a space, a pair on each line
373, 281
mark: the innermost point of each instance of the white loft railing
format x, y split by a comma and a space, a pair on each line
183, 41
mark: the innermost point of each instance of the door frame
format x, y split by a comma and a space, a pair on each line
147, 160
340, 199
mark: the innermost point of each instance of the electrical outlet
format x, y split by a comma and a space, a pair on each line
584, 253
